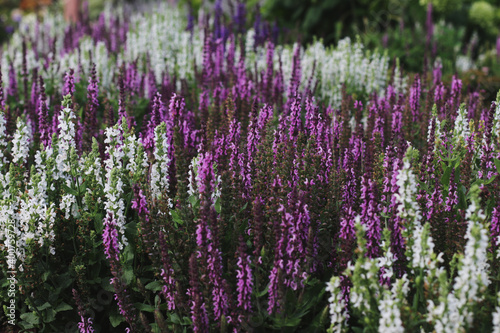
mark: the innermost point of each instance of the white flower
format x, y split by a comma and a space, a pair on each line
338, 313
21, 142
160, 168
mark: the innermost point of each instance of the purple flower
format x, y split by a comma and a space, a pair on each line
437, 74
90, 118
495, 226
148, 140
498, 48
294, 121
168, 274
85, 325
43, 114
110, 238
69, 83
240, 17
415, 92
12, 91
139, 202
199, 315
244, 276
370, 216
207, 59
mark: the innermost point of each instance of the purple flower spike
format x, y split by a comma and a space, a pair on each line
12, 91
240, 17
495, 226
415, 93
139, 202
110, 238
43, 114
148, 138
167, 273
244, 276
498, 48
69, 83
199, 314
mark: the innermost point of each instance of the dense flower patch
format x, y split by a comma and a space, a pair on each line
210, 179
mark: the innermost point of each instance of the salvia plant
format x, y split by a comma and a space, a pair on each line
160, 173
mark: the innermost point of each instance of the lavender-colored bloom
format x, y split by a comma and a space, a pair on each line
125, 308
217, 19
370, 217
90, 121
437, 74
495, 226
456, 93
12, 91
69, 83
207, 59
498, 48
268, 78
415, 93
168, 274
85, 324
2, 98
294, 120
154, 121
397, 121
244, 276
215, 267
256, 28
452, 199
240, 17
199, 316
190, 24
110, 238
296, 74
43, 126
296, 248
139, 202
122, 111
219, 58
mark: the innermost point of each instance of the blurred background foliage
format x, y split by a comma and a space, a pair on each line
465, 33
465, 27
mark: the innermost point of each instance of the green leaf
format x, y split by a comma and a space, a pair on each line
63, 307
445, 179
497, 164
144, 307
50, 315
115, 319
128, 275
154, 286
244, 207
128, 253
30, 318
217, 206
193, 200
83, 187
262, 293
174, 318
69, 190
44, 306
107, 286
176, 218
45, 275
98, 224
